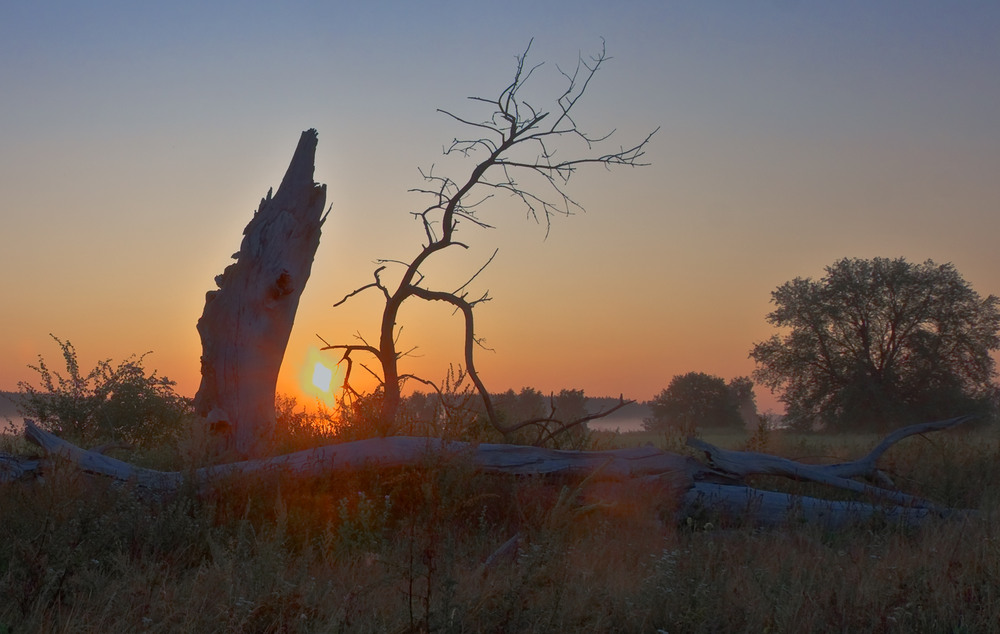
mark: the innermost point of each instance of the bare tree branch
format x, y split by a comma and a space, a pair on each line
376, 284
504, 141
475, 275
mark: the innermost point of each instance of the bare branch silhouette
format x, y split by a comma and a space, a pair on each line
515, 140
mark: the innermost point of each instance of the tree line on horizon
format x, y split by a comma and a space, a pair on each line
873, 345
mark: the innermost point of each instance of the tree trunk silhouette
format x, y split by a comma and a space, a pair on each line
246, 322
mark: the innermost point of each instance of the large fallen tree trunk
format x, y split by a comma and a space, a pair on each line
696, 488
392, 451
246, 322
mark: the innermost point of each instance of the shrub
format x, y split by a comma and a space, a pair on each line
109, 404
297, 427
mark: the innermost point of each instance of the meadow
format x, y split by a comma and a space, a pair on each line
423, 550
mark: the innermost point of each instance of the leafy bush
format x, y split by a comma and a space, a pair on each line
109, 404
297, 427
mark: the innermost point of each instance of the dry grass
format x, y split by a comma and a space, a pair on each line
403, 550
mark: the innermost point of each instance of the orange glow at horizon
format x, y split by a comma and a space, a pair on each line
319, 379
771, 163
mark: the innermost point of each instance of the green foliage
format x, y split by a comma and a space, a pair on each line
412, 549
362, 418
551, 415
570, 405
296, 428
454, 412
696, 400
363, 522
528, 404
457, 413
109, 404
746, 401
759, 439
880, 343
406, 550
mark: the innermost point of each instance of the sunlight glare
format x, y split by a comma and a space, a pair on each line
318, 377
322, 376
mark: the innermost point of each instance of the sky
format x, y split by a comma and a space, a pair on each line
136, 140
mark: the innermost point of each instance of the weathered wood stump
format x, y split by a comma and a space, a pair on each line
246, 322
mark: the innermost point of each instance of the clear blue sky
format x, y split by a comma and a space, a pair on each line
137, 138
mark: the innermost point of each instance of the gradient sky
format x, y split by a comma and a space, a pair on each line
136, 139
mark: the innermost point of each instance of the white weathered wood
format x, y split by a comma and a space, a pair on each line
745, 463
94, 462
699, 488
868, 465
246, 322
394, 451
771, 508
14, 468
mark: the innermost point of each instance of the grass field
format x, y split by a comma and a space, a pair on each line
409, 550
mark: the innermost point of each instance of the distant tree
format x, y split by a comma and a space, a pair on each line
746, 401
530, 403
878, 343
570, 404
695, 400
423, 406
521, 151
527, 404
436, 414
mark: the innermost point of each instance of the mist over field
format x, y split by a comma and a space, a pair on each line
627, 419
8, 412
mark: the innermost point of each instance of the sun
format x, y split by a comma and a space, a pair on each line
319, 378
322, 376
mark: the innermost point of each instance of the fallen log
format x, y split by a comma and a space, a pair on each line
743, 463
771, 508
14, 468
392, 451
698, 490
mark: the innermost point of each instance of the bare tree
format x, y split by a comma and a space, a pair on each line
518, 141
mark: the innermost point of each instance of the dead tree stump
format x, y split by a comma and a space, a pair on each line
246, 322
